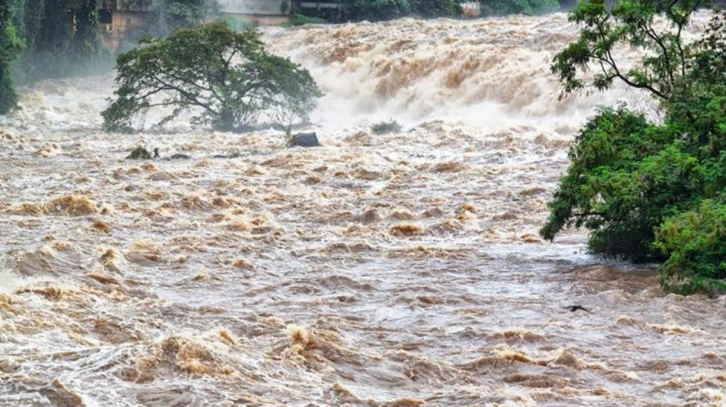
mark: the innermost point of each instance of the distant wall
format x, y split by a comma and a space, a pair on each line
121, 22
120, 19
251, 7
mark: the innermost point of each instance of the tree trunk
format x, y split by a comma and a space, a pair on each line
226, 120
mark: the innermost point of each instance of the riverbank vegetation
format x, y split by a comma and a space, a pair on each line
42, 39
650, 191
382, 10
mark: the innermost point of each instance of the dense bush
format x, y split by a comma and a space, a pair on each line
695, 243
390, 126
650, 191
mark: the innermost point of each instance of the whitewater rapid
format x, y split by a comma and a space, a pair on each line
385, 270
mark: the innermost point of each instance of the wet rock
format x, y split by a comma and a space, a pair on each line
139, 153
305, 140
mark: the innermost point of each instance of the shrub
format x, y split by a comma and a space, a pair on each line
695, 243
390, 126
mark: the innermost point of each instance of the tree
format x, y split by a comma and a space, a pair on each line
10, 47
227, 77
649, 191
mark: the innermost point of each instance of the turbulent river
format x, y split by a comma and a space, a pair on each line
382, 270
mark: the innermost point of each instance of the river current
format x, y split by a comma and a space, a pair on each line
379, 270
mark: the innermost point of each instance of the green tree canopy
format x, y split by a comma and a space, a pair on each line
650, 191
226, 79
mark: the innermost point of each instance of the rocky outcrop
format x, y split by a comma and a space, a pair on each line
305, 140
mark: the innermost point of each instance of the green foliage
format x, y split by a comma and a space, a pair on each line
390, 126
627, 23
604, 184
650, 191
434, 8
85, 39
527, 7
10, 46
227, 77
378, 10
297, 19
695, 243
60, 38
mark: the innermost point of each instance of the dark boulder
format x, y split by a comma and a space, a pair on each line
139, 153
305, 140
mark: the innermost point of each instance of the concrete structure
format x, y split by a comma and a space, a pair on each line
118, 17
258, 12
121, 17
251, 7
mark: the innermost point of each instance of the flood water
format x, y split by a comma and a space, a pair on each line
379, 270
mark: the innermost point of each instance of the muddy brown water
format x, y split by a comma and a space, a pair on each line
383, 270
